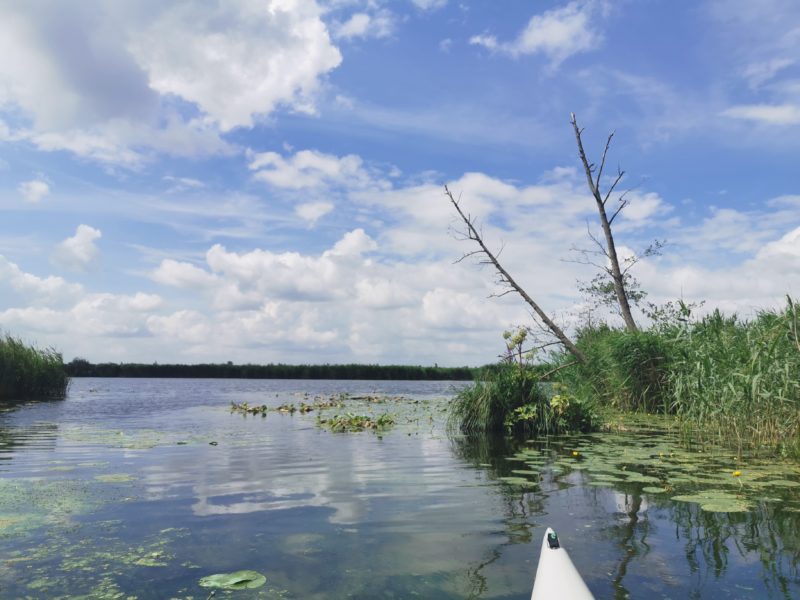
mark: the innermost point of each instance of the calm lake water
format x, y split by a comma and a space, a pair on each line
139, 488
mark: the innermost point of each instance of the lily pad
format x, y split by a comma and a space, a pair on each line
240, 580
781, 483
516, 480
715, 501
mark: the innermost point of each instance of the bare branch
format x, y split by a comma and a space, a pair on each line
622, 204
603, 161
506, 278
620, 175
557, 369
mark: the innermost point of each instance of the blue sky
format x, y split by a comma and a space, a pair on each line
262, 180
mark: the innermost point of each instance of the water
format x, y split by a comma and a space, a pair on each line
142, 487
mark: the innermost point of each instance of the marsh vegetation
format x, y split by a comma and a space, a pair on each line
722, 377
28, 372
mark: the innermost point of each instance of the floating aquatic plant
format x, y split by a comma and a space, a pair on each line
352, 422
240, 580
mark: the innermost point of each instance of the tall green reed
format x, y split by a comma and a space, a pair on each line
739, 381
28, 372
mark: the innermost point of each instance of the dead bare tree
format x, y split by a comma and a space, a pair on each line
471, 233
609, 250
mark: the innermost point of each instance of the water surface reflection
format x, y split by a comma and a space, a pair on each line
141, 487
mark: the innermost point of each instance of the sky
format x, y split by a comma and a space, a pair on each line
263, 180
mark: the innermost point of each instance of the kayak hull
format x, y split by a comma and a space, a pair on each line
556, 576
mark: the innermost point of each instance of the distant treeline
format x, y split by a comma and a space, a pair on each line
83, 368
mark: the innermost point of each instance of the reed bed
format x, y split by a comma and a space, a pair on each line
739, 381
726, 379
27, 372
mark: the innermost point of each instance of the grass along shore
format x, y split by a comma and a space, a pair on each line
27, 372
723, 378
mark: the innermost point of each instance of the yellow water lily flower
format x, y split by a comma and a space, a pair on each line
737, 473
575, 453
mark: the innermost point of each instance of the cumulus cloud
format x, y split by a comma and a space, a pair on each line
136, 78
34, 190
309, 169
239, 59
35, 290
182, 275
78, 252
557, 34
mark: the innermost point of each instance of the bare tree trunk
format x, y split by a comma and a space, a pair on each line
472, 234
616, 273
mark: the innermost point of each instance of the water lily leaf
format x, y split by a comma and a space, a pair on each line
240, 580
781, 483
651, 489
715, 501
516, 480
525, 472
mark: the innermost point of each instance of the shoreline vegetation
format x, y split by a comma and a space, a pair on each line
721, 378
82, 368
27, 372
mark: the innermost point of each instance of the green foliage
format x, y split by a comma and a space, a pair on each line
623, 369
740, 380
509, 397
27, 372
351, 422
735, 380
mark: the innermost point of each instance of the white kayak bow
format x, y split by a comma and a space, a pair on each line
556, 576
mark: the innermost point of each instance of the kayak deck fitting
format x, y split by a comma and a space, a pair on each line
556, 576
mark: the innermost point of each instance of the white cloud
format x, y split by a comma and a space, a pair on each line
239, 59
429, 4
485, 40
758, 73
557, 34
770, 114
353, 243
313, 211
34, 190
188, 326
78, 252
183, 275
642, 208
131, 78
362, 25
310, 169
35, 290
94, 315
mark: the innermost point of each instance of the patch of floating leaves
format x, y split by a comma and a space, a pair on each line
652, 458
352, 422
